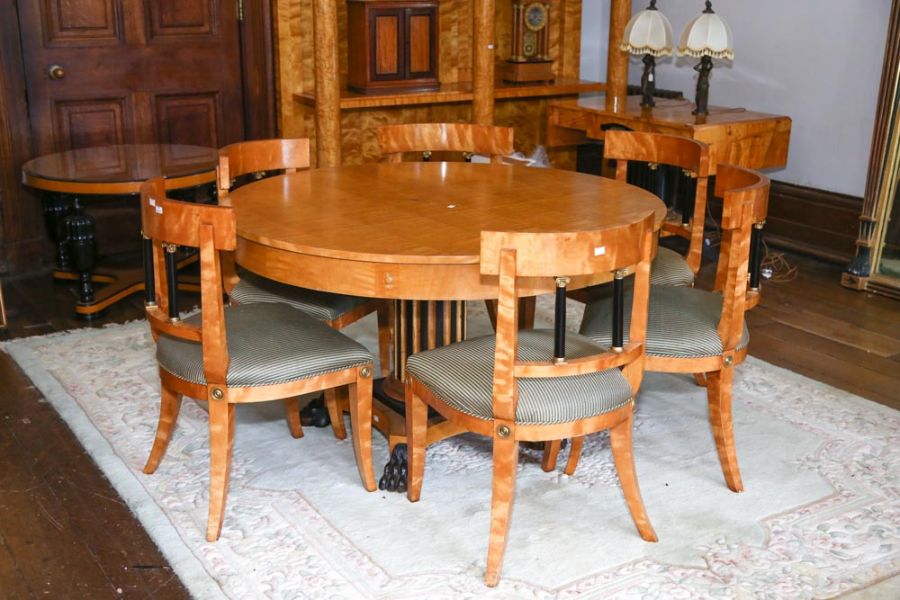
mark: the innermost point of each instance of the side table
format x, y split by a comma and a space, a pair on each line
66, 177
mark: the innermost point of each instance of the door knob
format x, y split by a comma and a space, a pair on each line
56, 72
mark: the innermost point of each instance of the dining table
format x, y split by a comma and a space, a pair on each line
410, 232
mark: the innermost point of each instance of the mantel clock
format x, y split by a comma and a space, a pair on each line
530, 60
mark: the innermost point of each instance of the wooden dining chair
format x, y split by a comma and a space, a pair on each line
426, 138
229, 355
698, 331
537, 384
692, 158
247, 161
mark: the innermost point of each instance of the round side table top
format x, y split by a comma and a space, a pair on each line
120, 169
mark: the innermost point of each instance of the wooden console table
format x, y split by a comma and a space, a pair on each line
734, 135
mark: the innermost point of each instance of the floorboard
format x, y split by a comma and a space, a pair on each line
65, 533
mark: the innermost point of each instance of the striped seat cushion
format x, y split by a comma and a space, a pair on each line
462, 375
324, 306
670, 268
268, 344
682, 322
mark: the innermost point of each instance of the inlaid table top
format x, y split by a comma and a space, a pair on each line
120, 169
412, 230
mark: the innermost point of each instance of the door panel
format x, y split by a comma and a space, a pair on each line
188, 119
169, 18
132, 71
93, 23
85, 123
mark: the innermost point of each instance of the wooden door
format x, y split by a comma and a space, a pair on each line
132, 71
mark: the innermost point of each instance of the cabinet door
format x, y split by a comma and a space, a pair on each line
387, 56
421, 43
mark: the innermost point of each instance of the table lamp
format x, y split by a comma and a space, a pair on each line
706, 36
649, 33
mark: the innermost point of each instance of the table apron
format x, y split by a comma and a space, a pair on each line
409, 281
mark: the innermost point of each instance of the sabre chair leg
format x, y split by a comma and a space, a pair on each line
620, 441
574, 455
506, 457
169, 407
384, 337
718, 393
416, 434
551, 453
334, 398
221, 441
292, 413
361, 424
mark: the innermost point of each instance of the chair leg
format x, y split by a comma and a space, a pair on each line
361, 423
574, 455
221, 440
551, 453
335, 411
292, 413
620, 441
384, 337
169, 407
416, 439
506, 457
718, 393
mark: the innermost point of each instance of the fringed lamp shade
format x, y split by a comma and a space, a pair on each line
706, 36
649, 33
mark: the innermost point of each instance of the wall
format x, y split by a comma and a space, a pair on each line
819, 62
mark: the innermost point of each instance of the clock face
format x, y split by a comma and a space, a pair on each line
535, 16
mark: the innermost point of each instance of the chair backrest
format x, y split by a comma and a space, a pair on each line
394, 140
690, 156
515, 255
745, 199
166, 225
257, 156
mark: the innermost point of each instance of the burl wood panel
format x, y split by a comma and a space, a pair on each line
294, 30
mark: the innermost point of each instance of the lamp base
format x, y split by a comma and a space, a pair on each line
702, 96
648, 82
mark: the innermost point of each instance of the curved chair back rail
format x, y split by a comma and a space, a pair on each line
681, 152
256, 156
493, 141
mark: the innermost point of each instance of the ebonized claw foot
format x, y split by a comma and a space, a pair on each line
315, 414
394, 478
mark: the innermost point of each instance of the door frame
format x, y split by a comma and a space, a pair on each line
23, 241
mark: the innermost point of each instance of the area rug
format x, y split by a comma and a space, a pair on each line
820, 516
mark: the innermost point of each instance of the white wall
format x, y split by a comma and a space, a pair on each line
817, 61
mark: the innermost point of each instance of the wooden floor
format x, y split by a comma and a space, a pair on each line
64, 532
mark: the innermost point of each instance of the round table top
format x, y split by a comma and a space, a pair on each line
394, 230
120, 169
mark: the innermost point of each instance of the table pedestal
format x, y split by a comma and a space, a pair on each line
418, 326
